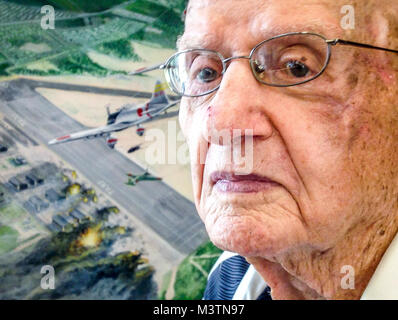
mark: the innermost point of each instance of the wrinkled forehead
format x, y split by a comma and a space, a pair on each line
210, 22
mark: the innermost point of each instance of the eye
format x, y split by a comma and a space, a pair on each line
207, 75
297, 69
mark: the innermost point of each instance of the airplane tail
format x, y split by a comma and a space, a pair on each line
159, 95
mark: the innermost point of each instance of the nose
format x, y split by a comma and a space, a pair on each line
239, 106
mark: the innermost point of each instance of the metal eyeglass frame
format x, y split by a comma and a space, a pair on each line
224, 61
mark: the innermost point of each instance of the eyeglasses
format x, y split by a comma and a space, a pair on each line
285, 60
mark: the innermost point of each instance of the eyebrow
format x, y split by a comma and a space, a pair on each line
326, 30
210, 41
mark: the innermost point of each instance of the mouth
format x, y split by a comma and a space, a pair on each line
233, 183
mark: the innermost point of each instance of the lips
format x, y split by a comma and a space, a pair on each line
231, 182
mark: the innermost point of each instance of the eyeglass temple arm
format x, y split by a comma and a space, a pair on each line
145, 70
357, 44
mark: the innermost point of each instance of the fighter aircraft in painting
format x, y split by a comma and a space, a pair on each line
133, 179
126, 117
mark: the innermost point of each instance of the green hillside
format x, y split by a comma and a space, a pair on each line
74, 5
27, 48
8, 239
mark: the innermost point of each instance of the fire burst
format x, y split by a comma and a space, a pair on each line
91, 238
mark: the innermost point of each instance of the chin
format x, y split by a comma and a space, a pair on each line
250, 236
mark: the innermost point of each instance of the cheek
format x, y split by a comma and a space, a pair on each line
184, 117
318, 139
349, 161
373, 149
191, 124
313, 143
326, 132
387, 76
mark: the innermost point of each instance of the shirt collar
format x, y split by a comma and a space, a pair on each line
384, 283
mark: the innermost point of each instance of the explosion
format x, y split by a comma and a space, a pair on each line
90, 238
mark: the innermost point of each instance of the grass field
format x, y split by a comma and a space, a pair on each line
120, 48
11, 213
74, 5
25, 48
191, 277
146, 8
8, 239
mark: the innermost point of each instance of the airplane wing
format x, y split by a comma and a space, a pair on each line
98, 132
170, 105
161, 113
90, 133
166, 115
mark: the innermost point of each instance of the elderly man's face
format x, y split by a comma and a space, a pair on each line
329, 145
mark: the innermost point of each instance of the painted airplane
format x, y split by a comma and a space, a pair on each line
126, 117
134, 179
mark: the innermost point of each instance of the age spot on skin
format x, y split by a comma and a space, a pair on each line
209, 110
352, 80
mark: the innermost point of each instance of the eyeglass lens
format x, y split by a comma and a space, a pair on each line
281, 61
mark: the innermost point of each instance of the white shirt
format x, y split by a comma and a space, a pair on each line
384, 283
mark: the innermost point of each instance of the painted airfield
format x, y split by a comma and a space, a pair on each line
172, 217
88, 107
52, 106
